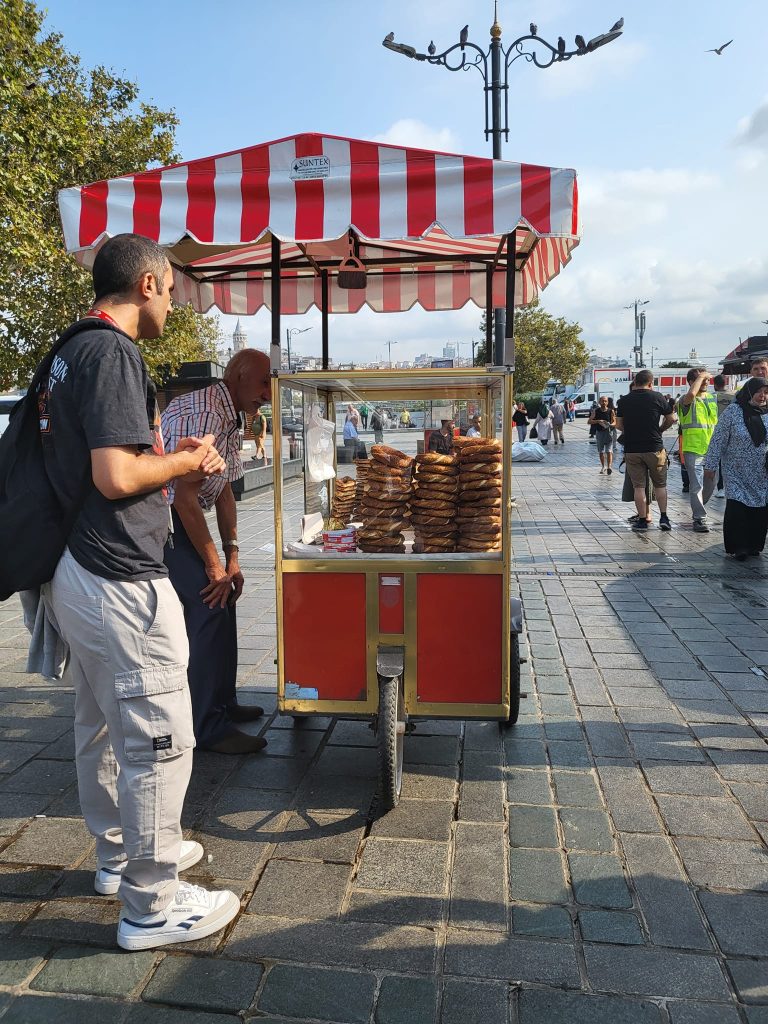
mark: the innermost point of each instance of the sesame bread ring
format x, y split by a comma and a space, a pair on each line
390, 456
480, 442
436, 493
480, 458
390, 472
486, 448
436, 469
382, 527
480, 483
383, 543
435, 458
436, 484
481, 504
489, 468
430, 519
480, 528
386, 487
441, 479
433, 504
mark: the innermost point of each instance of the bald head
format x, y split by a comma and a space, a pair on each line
248, 378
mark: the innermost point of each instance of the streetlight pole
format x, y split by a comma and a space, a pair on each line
389, 349
465, 54
288, 332
639, 330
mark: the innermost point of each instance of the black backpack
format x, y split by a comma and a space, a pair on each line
34, 524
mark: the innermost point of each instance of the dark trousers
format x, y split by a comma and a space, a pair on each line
744, 528
212, 633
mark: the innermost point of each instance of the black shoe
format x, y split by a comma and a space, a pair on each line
664, 523
609, 471
686, 490
238, 743
244, 712
741, 557
699, 526
640, 524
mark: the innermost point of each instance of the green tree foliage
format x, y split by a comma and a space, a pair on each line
187, 337
61, 125
545, 346
675, 364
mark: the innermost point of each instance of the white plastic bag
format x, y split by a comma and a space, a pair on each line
528, 451
320, 442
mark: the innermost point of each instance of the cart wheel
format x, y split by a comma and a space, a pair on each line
514, 679
390, 734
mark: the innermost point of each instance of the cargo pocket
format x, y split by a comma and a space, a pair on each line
156, 713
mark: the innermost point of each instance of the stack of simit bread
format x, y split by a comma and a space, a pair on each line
479, 507
361, 468
434, 496
384, 503
343, 501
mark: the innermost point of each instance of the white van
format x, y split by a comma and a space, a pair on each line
584, 401
7, 403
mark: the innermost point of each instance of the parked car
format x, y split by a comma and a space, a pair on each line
7, 403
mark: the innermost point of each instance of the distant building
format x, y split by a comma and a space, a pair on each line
239, 338
449, 351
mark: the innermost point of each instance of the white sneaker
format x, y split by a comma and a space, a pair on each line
106, 881
193, 914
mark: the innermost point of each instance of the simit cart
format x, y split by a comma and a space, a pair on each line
317, 220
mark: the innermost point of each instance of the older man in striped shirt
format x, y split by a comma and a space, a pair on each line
209, 589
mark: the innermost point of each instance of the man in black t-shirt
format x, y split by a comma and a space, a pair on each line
642, 416
113, 604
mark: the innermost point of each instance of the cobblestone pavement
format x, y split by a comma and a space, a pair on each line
604, 861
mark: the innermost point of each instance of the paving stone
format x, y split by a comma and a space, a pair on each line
43, 1009
378, 947
628, 799
490, 955
634, 970
318, 836
234, 855
564, 730
260, 813
741, 766
704, 816
321, 888
19, 958
540, 1005
536, 876
753, 798
702, 1013
47, 777
554, 706
293, 743
394, 909
405, 1000
343, 996
474, 1002
576, 789
545, 922
352, 734
738, 921
665, 746
524, 753
606, 738
610, 926
430, 750
649, 718
146, 1013
528, 786
32, 882
404, 866
482, 736
416, 819
710, 711
75, 921
477, 879
54, 841
671, 913
429, 782
94, 972
336, 794
696, 780
586, 829
639, 697
598, 880
564, 754
533, 826
17, 808
481, 801
724, 864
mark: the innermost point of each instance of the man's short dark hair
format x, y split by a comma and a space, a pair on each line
121, 263
719, 380
692, 375
757, 361
643, 379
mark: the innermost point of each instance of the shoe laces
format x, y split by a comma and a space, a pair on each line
187, 893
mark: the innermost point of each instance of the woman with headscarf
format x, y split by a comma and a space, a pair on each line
543, 423
740, 443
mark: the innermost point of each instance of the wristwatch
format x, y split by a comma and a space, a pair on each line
231, 544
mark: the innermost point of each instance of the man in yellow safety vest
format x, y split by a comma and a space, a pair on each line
697, 415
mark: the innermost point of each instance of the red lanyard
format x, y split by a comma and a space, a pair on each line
99, 314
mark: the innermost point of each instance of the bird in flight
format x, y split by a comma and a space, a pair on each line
431, 49
464, 35
720, 49
389, 38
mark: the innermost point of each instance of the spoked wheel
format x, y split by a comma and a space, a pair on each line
514, 679
390, 733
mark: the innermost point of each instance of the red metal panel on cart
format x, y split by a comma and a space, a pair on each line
459, 625
324, 633
391, 603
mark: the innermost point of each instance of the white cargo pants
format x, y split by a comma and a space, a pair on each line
128, 655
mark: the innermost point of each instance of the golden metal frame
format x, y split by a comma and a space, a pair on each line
481, 384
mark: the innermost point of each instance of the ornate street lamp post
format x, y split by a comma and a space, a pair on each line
533, 49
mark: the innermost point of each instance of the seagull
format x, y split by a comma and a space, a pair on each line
464, 35
720, 49
534, 29
431, 49
390, 38
560, 46
618, 26
581, 42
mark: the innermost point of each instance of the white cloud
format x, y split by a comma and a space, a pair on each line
753, 130
580, 74
410, 132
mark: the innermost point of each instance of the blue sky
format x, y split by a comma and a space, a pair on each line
670, 142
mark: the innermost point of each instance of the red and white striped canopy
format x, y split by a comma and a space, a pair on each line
427, 224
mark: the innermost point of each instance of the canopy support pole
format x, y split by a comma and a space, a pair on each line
324, 314
509, 336
275, 355
489, 316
